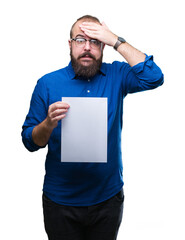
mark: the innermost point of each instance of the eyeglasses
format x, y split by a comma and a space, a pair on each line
81, 42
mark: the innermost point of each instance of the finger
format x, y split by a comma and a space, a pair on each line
62, 105
91, 25
57, 113
92, 28
58, 118
58, 105
89, 32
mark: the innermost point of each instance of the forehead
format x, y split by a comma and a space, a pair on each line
76, 28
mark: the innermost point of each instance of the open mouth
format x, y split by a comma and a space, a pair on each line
87, 56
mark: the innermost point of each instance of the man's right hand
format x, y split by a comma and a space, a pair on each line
56, 112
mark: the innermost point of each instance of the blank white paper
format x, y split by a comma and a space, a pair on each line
84, 130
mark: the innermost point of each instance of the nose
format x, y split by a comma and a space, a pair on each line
87, 46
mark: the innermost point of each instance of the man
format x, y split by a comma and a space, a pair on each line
84, 201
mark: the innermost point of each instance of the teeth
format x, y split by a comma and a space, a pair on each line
87, 56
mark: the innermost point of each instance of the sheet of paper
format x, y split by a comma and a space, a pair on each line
84, 130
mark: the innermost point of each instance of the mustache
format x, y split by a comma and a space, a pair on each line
87, 54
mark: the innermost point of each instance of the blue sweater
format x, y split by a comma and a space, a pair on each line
85, 184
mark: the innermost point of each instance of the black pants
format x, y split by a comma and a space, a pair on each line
97, 222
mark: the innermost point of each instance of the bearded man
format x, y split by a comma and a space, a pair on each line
84, 201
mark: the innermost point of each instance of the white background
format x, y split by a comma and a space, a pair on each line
34, 37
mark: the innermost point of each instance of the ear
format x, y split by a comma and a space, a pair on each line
69, 42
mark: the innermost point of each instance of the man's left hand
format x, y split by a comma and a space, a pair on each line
99, 32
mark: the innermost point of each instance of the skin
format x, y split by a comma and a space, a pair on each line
103, 34
78, 32
88, 29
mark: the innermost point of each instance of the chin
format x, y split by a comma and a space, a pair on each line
86, 62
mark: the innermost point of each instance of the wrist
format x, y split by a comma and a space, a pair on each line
119, 41
47, 125
114, 40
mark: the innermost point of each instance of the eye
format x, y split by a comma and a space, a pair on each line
95, 42
80, 40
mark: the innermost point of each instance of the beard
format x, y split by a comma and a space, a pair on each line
86, 71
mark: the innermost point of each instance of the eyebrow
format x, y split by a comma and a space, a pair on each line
80, 35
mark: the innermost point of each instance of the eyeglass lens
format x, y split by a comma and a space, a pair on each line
81, 42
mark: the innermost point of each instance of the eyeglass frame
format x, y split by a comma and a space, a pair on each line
90, 42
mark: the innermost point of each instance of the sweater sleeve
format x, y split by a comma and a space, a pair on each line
37, 113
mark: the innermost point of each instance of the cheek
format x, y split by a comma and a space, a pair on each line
97, 54
75, 52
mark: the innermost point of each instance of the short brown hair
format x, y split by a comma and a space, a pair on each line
87, 17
